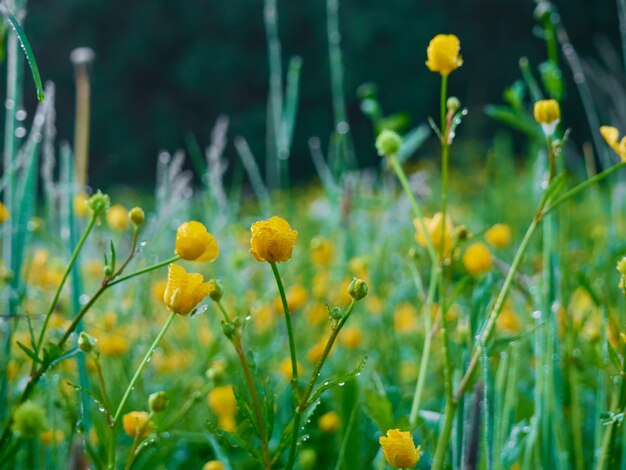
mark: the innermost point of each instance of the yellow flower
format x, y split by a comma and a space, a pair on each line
352, 337
548, 114
184, 291
213, 465
404, 318
399, 449
477, 259
296, 298
611, 136
314, 354
272, 240
507, 321
194, 243
51, 436
158, 290
499, 236
80, 205
136, 423
117, 218
322, 251
443, 54
4, 213
223, 403
434, 227
113, 345
286, 370
329, 422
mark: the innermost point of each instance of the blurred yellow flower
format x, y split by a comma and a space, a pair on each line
443, 54
80, 205
499, 236
477, 259
113, 345
158, 290
296, 298
272, 240
4, 213
611, 136
195, 243
322, 251
399, 449
213, 465
223, 403
52, 436
404, 318
285, 368
184, 291
507, 321
117, 218
352, 337
314, 354
136, 423
329, 422
434, 227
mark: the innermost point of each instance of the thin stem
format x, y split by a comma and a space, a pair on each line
158, 265
227, 317
103, 389
442, 105
66, 274
292, 344
439, 459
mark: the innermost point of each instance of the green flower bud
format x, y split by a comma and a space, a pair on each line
215, 290
137, 216
157, 401
453, 104
388, 143
462, 233
86, 342
99, 203
29, 420
357, 289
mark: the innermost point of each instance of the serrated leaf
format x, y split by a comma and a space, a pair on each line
231, 440
339, 381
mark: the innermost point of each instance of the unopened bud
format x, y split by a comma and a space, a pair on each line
99, 203
357, 289
137, 216
388, 143
86, 342
453, 104
215, 290
157, 401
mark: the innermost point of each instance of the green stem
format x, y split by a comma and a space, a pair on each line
439, 459
158, 265
442, 106
68, 269
292, 344
131, 385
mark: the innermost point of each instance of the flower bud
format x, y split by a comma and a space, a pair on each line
388, 143
453, 104
462, 233
29, 420
108, 270
357, 289
215, 290
137, 216
99, 203
229, 329
157, 401
86, 342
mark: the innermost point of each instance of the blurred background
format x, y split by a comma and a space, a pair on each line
166, 70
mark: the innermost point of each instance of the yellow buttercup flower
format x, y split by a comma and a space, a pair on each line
548, 114
117, 218
499, 236
322, 251
137, 423
224, 404
81, 209
272, 240
443, 54
4, 213
213, 465
477, 259
399, 449
184, 291
611, 136
329, 422
434, 227
352, 337
195, 243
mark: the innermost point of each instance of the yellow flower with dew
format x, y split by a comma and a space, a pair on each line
499, 236
399, 449
435, 226
213, 465
195, 243
272, 240
477, 259
611, 137
329, 422
184, 291
117, 218
322, 251
443, 54
137, 423
548, 114
81, 209
4, 213
352, 337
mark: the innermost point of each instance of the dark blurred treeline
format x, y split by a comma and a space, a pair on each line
166, 68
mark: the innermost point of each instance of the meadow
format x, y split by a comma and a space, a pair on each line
446, 309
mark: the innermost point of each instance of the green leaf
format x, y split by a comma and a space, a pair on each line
29, 352
339, 381
378, 407
517, 120
412, 141
231, 440
28, 52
